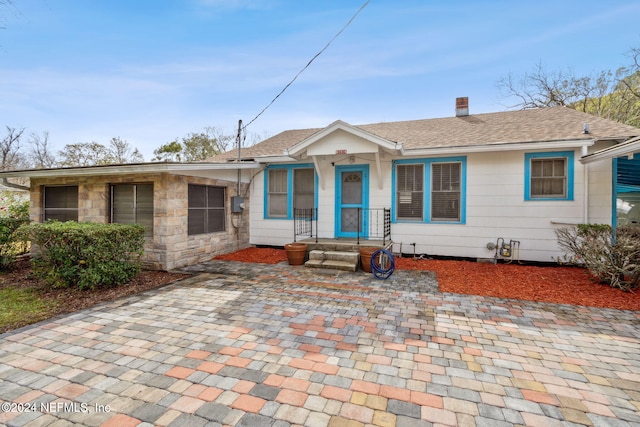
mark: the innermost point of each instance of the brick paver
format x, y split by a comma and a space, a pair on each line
257, 345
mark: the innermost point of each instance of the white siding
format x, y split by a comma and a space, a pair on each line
495, 207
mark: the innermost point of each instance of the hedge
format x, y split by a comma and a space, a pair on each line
85, 255
10, 245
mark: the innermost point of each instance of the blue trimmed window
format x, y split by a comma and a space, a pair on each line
430, 190
548, 176
288, 187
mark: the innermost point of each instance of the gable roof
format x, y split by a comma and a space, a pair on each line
553, 124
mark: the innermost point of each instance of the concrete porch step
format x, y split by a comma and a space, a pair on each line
335, 255
346, 261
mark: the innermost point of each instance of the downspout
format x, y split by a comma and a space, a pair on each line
585, 177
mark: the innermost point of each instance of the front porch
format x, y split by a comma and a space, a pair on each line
371, 228
342, 245
367, 225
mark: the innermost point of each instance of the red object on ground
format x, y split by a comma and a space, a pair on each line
562, 285
257, 255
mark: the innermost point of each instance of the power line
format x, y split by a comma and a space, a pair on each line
308, 64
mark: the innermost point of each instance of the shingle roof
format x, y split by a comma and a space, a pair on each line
534, 125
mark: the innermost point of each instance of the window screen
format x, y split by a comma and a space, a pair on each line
303, 188
277, 194
133, 204
61, 203
410, 194
445, 191
206, 209
549, 178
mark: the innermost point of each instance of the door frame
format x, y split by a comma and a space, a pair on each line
364, 168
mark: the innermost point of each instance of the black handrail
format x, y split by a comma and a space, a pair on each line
303, 220
378, 224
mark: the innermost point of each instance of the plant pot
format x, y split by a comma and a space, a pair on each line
365, 257
296, 253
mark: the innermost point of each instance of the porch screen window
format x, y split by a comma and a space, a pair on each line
445, 191
549, 178
410, 196
133, 204
277, 194
206, 209
303, 188
61, 203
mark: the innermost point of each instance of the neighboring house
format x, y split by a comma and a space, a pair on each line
449, 187
453, 186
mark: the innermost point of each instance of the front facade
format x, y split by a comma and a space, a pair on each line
453, 187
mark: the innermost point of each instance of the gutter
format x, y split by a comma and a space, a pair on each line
619, 150
539, 145
127, 168
6, 183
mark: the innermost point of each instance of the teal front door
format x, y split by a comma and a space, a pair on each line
352, 201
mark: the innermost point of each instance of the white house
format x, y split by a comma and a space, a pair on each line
452, 186
444, 187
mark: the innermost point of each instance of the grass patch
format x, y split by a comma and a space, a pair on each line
22, 307
25, 300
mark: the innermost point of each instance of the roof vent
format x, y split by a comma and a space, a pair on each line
462, 106
585, 128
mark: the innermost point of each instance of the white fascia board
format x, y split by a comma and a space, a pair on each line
127, 169
340, 125
542, 145
624, 149
275, 159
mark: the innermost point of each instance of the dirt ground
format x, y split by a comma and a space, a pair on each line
66, 300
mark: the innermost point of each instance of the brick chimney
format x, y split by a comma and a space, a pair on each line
462, 106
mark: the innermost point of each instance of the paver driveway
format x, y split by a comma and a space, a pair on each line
256, 345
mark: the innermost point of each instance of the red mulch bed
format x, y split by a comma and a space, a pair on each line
258, 255
563, 285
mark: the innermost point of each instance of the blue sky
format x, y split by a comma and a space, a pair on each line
150, 71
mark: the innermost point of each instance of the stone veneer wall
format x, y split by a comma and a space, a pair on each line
171, 247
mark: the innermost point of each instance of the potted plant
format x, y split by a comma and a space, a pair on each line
296, 253
365, 257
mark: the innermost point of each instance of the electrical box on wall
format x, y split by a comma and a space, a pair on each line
237, 204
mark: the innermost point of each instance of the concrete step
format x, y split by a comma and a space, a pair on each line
335, 255
332, 264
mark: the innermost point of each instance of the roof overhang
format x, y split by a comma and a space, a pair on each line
507, 146
377, 141
274, 159
129, 169
627, 148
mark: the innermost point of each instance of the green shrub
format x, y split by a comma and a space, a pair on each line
86, 254
10, 244
14, 212
614, 260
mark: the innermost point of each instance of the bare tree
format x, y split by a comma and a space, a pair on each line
121, 152
39, 155
84, 154
10, 156
222, 141
615, 96
543, 88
